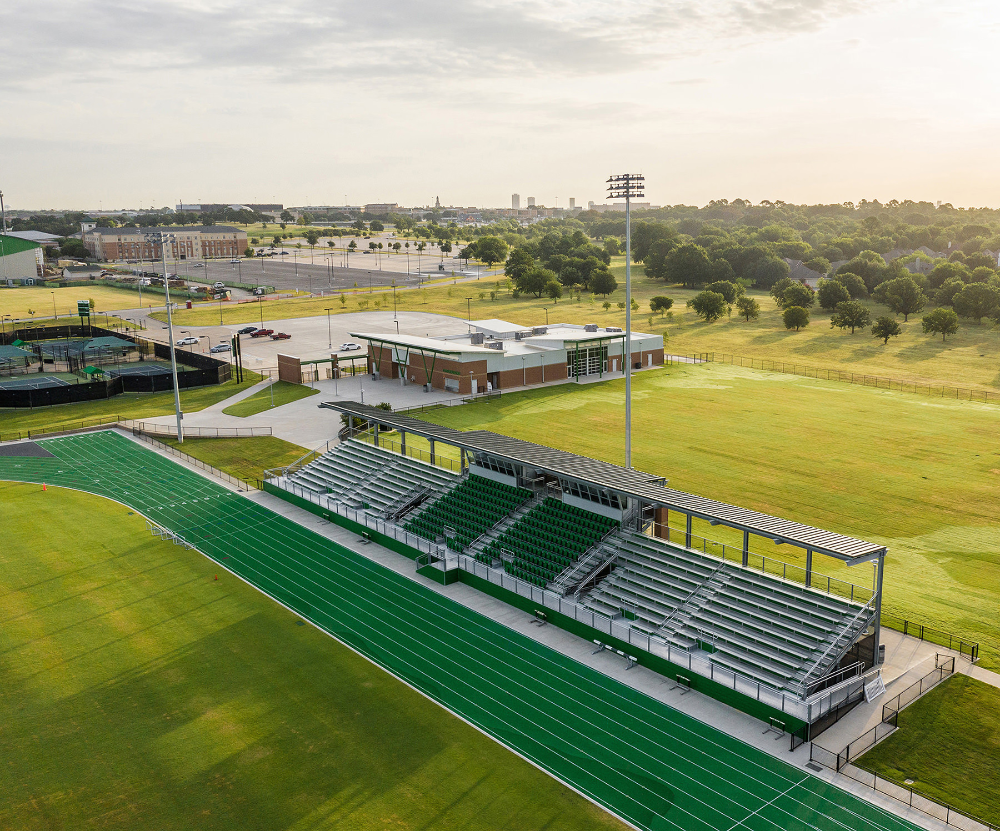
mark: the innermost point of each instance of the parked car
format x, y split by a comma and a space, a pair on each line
188, 341
284, 253
198, 265
247, 330
218, 284
234, 261
261, 333
348, 347
280, 336
260, 291
222, 347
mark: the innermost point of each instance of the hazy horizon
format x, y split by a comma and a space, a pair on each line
805, 101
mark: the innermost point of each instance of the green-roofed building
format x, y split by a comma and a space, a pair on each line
21, 261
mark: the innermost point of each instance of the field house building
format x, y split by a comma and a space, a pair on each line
21, 261
197, 242
498, 355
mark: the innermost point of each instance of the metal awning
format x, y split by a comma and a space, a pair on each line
633, 483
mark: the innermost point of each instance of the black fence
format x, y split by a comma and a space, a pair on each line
842, 761
969, 649
881, 382
199, 370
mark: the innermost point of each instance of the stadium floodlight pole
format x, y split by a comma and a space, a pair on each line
163, 239
627, 185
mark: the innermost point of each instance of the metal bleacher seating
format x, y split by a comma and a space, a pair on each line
368, 476
768, 629
547, 540
470, 509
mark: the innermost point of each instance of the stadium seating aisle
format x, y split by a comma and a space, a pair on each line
471, 509
549, 539
646, 762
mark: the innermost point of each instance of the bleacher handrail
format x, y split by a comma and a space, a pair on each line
866, 611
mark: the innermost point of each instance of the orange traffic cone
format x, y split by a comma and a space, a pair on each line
45, 487
216, 576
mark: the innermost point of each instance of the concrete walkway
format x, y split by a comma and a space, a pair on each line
702, 708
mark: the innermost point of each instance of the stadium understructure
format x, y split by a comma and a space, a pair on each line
610, 554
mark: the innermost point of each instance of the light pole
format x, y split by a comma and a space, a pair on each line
545, 309
56, 316
329, 331
163, 239
627, 185
394, 304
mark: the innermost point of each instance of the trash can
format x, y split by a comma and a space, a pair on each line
189, 304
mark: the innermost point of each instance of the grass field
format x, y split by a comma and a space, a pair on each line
919, 475
948, 744
127, 405
970, 358
17, 302
243, 458
283, 392
642, 759
138, 692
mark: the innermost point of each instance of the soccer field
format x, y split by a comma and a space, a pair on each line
649, 764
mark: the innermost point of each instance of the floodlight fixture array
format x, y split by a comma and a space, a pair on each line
161, 238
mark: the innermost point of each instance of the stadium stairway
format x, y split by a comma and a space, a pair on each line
365, 476
771, 630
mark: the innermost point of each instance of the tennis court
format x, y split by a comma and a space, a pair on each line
144, 368
651, 765
33, 382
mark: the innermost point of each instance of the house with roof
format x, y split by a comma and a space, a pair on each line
801, 273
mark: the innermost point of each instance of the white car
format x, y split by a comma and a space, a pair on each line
348, 347
188, 341
234, 261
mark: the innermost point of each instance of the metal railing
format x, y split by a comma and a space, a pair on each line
196, 432
241, 484
969, 649
862, 379
842, 762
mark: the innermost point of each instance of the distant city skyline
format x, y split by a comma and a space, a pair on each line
809, 101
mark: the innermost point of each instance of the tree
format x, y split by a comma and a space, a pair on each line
603, 282
850, 314
276, 242
688, 265
748, 307
553, 290
945, 295
943, 272
286, 216
768, 271
375, 225
311, 236
352, 245
358, 225
518, 264
977, 301
902, 295
535, 281
444, 246
727, 289
855, 285
709, 305
830, 293
944, 321
886, 327
778, 289
656, 258
795, 317
797, 294
490, 250
247, 252
660, 304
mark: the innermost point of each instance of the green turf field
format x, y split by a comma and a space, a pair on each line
283, 392
650, 764
138, 692
245, 458
919, 475
948, 743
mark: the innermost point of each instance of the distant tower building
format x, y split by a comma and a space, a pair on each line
515, 201
572, 202
531, 201
437, 201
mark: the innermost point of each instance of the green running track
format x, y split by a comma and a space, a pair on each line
647, 763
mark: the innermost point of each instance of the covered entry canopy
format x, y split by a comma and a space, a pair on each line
648, 489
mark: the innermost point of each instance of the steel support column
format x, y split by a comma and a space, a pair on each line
746, 548
687, 531
809, 566
878, 608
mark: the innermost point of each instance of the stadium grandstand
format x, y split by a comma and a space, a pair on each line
587, 545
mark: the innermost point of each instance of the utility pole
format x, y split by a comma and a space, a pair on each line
627, 185
163, 239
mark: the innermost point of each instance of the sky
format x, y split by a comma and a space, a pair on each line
139, 104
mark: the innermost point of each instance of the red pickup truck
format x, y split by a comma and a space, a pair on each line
280, 336
261, 333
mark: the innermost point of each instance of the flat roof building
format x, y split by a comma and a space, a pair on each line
198, 242
21, 261
498, 355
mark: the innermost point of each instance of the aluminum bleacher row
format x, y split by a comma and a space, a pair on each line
550, 538
470, 509
360, 472
762, 627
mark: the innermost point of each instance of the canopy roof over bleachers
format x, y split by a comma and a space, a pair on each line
645, 487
